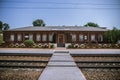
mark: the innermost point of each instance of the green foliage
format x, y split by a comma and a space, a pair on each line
37, 45
28, 43
6, 26
11, 45
82, 45
17, 45
91, 24
70, 46
44, 46
112, 36
22, 45
1, 39
3, 26
38, 22
52, 46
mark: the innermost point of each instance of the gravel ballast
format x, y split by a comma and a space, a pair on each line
101, 74
20, 74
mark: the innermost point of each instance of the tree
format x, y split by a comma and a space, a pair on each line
38, 22
1, 25
6, 26
91, 24
112, 36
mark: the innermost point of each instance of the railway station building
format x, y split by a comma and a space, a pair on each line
58, 35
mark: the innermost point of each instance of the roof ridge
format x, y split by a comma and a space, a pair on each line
64, 28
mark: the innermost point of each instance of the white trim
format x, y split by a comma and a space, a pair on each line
30, 36
12, 37
81, 38
73, 37
50, 37
38, 37
19, 37
92, 37
44, 37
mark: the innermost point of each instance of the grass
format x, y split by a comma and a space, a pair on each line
1, 39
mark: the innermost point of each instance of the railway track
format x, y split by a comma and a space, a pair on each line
98, 64
42, 63
95, 61
22, 64
95, 55
17, 60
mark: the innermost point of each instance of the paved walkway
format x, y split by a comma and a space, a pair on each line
62, 67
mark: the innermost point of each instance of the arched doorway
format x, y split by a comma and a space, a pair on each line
61, 40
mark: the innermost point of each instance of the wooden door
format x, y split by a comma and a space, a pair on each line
61, 38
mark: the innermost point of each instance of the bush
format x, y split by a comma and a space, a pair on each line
117, 45
11, 45
52, 46
39, 45
99, 45
28, 43
109, 45
70, 46
82, 46
34, 45
104, 46
94, 46
16, 45
76, 46
44, 45
22, 45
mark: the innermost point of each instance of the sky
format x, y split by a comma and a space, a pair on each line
21, 13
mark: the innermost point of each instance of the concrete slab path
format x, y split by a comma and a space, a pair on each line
62, 73
62, 67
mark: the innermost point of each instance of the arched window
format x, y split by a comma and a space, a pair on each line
19, 37
85, 37
92, 37
44, 37
38, 37
81, 37
30, 36
100, 38
12, 37
51, 37
73, 37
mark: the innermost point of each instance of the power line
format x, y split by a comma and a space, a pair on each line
59, 3
55, 8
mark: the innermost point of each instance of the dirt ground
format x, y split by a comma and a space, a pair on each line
20, 74
101, 74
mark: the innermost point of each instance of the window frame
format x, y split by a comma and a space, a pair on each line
100, 38
30, 36
38, 37
93, 37
85, 37
50, 37
12, 37
44, 37
81, 37
74, 37
19, 37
